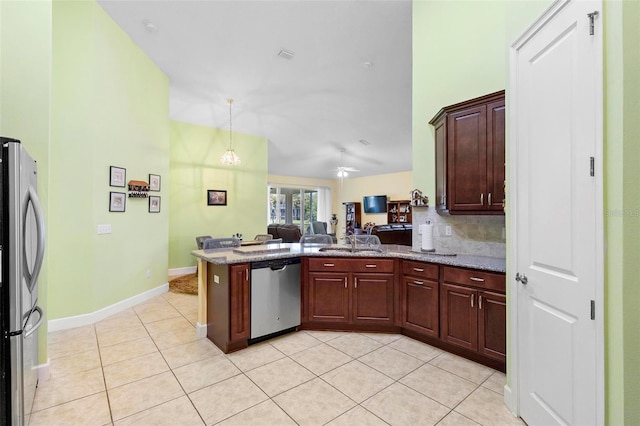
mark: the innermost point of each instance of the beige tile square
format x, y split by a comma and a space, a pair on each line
227, 398
255, 356
357, 380
127, 350
181, 299
90, 411
75, 363
391, 362
325, 336
176, 337
313, 403
205, 372
72, 341
66, 388
354, 344
279, 376
158, 315
177, 323
487, 408
462, 367
138, 396
456, 419
134, 369
118, 322
180, 355
190, 315
440, 385
86, 332
415, 348
320, 359
294, 342
154, 304
400, 405
178, 411
496, 382
264, 414
113, 337
357, 416
384, 338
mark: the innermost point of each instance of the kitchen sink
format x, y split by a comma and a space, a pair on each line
361, 250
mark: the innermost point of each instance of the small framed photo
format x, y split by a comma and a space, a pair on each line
154, 183
154, 204
117, 201
216, 197
117, 176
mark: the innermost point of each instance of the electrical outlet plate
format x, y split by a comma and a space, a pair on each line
104, 229
447, 230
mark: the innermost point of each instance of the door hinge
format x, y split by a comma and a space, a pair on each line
592, 166
593, 309
592, 18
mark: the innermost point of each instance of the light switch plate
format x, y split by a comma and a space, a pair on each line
104, 229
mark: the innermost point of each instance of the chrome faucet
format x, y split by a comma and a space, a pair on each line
353, 240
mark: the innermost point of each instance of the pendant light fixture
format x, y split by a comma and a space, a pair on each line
230, 158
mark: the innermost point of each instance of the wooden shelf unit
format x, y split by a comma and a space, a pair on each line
399, 211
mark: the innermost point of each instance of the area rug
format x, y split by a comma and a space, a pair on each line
184, 284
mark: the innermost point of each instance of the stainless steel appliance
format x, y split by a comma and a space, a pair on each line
275, 296
21, 251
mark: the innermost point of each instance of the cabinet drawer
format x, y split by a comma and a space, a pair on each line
341, 264
420, 269
474, 278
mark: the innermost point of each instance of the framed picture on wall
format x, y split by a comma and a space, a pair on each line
216, 197
117, 176
117, 201
154, 204
154, 183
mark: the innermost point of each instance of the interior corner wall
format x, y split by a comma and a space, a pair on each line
196, 168
110, 107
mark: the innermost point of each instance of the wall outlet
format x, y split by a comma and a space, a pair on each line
447, 230
148, 273
216, 279
104, 229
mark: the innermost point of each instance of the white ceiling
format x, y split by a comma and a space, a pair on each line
309, 107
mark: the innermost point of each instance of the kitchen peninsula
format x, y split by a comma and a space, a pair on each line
454, 302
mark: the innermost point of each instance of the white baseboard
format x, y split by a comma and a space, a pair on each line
201, 330
92, 318
509, 400
43, 371
183, 271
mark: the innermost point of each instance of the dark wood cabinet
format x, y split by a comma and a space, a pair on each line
228, 306
352, 217
470, 156
473, 311
399, 211
419, 295
340, 290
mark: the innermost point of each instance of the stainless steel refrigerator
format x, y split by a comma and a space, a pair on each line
22, 251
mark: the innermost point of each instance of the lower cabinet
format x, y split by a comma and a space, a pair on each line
328, 297
419, 295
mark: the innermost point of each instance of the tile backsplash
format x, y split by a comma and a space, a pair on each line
477, 235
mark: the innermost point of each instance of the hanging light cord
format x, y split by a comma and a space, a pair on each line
230, 124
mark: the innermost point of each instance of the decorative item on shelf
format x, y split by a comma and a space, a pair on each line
138, 189
334, 219
117, 176
230, 158
154, 183
154, 204
216, 197
417, 199
117, 201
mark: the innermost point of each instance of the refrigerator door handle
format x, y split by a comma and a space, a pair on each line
32, 197
37, 325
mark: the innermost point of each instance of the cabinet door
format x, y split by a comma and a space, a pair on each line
467, 158
458, 317
420, 305
372, 298
492, 326
495, 155
328, 297
240, 304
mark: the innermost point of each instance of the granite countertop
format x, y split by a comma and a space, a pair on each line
280, 251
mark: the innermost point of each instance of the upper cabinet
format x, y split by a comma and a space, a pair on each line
470, 156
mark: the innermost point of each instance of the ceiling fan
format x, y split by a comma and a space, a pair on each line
343, 171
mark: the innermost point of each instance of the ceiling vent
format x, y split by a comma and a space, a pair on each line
365, 142
285, 54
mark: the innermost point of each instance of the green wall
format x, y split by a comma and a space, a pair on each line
109, 106
195, 168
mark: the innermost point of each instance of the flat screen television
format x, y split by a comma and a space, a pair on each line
375, 203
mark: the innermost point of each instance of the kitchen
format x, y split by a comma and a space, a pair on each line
107, 271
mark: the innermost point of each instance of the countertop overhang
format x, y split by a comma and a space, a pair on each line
228, 257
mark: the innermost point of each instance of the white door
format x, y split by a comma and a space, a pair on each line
556, 103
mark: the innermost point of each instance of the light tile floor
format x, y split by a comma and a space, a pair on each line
145, 366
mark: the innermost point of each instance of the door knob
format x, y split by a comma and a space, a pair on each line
522, 278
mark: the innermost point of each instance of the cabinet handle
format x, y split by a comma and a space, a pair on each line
479, 302
246, 274
355, 283
345, 282
482, 199
489, 199
329, 265
472, 297
480, 280
418, 282
370, 266
418, 269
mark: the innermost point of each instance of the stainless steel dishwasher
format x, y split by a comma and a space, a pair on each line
275, 296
